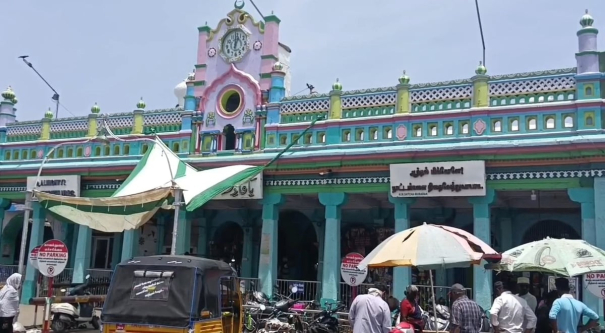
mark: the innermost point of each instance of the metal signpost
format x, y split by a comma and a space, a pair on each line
52, 259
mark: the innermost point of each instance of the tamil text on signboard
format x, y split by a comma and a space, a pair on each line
449, 179
52, 258
68, 186
351, 275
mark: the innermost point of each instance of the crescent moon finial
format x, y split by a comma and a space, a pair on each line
239, 4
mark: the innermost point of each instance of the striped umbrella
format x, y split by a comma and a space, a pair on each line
430, 246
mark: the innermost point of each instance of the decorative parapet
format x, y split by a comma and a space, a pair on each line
162, 120
23, 131
521, 88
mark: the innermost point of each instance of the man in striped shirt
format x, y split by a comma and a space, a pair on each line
465, 314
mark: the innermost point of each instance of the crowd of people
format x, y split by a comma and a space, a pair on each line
514, 310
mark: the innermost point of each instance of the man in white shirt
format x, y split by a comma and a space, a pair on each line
523, 284
510, 313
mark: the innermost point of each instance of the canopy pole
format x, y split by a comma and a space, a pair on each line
175, 225
434, 305
24, 232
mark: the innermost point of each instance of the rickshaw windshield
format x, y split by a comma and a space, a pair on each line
151, 295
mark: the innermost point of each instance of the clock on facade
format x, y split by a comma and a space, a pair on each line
234, 45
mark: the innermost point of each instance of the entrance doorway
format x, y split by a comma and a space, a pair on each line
228, 244
229, 134
298, 248
102, 249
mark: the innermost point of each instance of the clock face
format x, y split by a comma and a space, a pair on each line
235, 45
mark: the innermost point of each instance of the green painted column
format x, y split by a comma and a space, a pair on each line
482, 278
36, 238
161, 234
402, 276
117, 249
130, 241
82, 254
591, 231
247, 252
4, 205
333, 203
183, 234
267, 266
71, 239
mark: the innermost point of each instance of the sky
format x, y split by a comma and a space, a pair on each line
114, 52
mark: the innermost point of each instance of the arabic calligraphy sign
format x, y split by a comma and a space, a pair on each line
447, 179
252, 189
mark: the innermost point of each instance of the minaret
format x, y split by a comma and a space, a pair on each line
588, 77
7, 107
587, 57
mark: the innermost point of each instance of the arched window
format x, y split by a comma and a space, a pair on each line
97, 151
389, 134
433, 130
532, 124
514, 125
107, 151
418, 131
449, 130
550, 123
497, 126
465, 128
568, 121
126, 150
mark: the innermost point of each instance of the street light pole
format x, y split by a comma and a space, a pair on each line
55, 95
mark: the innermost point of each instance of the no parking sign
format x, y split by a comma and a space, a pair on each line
349, 271
52, 258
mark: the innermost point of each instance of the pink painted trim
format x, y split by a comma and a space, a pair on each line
233, 73
242, 101
201, 48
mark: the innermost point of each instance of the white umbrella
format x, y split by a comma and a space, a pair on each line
564, 257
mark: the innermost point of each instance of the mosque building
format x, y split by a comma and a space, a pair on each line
516, 158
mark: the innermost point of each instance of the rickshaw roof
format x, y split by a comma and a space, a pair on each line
179, 260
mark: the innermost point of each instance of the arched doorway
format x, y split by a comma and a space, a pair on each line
549, 228
229, 134
11, 239
298, 248
228, 244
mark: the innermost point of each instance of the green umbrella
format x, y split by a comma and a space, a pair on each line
563, 257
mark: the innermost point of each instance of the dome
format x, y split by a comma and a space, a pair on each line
404, 79
8, 94
337, 85
278, 67
95, 109
180, 91
48, 114
586, 20
141, 104
481, 70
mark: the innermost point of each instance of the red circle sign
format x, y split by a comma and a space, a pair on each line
349, 272
52, 258
33, 256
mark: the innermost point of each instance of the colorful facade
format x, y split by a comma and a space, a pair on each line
537, 137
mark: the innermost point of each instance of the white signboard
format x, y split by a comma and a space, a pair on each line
33, 256
349, 271
448, 179
595, 283
252, 189
52, 258
60, 185
573, 283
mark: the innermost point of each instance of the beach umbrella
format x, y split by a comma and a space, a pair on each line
563, 257
430, 246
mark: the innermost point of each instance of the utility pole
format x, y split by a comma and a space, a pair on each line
55, 95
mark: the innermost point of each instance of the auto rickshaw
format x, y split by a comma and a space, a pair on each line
170, 294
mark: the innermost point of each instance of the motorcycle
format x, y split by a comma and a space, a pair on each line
267, 317
442, 314
68, 316
326, 321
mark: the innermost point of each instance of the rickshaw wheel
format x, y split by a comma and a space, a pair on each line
95, 323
